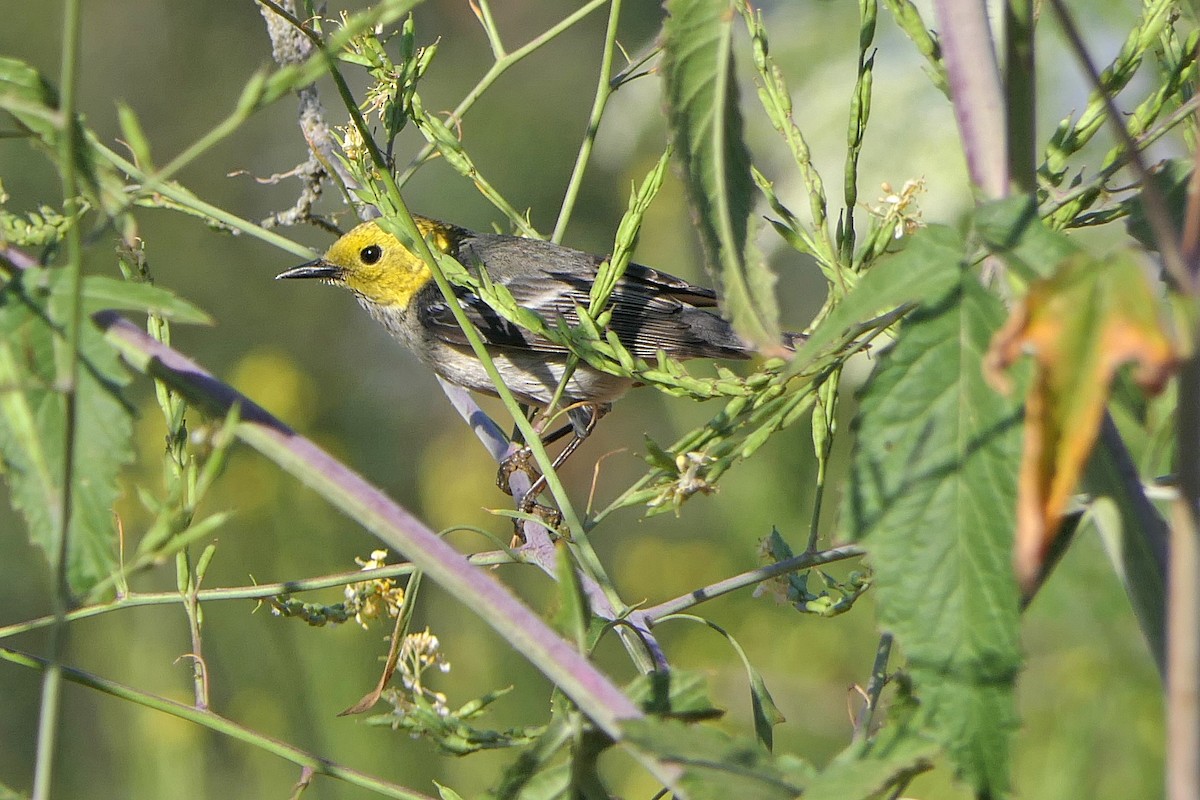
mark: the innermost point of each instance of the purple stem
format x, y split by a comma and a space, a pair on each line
976, 91
477, 589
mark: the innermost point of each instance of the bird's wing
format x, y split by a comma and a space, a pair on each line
652, 310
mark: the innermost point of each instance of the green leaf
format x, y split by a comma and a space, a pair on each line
933, 493
927, 267
8, 793
1013, 230
33, 422
1172, 179
101, 293
1135, 538
33, 102
682, 694
706, 133
865, 769
573, 615
446, 793
762, 705
29, 97
718, 766
532, 776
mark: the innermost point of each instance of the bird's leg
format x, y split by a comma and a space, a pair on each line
584, 417
521, 459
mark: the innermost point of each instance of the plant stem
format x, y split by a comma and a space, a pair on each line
595, 694
257, 592
1020, 91
498, 68
976, 91
697, 596
221, 725
862, 720
67, 370
603, 92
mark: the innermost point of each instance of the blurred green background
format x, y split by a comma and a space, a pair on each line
1089, 698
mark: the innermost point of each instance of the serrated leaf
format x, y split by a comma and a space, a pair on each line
927, 267
933, 493
101, 293
706, 134
32, 425
1083, 323
717, 766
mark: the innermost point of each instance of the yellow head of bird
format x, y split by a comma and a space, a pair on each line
374, 265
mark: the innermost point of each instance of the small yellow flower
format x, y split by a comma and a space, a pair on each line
419, 652
898, 208
373, 599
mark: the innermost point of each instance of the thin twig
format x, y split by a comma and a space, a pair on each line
260, 591
749, 578
862, 720
604, 90
67, 373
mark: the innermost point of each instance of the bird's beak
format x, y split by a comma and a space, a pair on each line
320, 269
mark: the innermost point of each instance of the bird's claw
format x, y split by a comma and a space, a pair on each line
520, 460
550, 518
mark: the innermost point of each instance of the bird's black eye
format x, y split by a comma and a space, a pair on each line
370, 254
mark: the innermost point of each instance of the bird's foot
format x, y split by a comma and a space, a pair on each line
550, 518
520, 460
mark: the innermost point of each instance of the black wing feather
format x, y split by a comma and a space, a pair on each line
652, 310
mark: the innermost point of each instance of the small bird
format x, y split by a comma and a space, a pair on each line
651, 310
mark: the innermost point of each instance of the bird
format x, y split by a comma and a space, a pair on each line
652, 312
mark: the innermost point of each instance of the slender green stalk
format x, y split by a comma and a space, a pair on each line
260, 591
654, 614
1020, 91
186, 199
1116, 160
1157, 214
604, 90
908, 18
497, 69
528, 634
776, 100
823, 428
219, 724
860, 112
67, 358
483, 10
263, 89
862, 720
